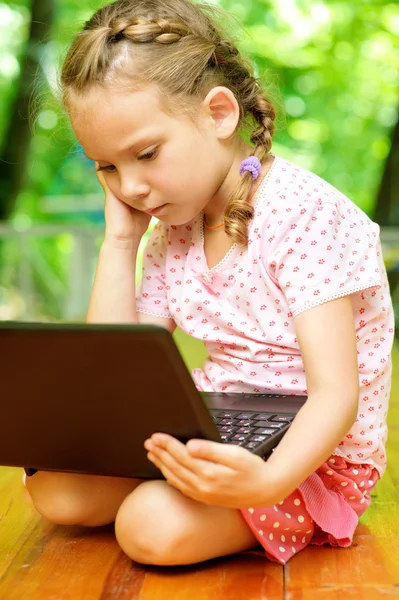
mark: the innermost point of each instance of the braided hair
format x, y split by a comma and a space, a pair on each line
176, 45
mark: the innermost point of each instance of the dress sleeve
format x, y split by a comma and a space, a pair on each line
151, 296
321, 252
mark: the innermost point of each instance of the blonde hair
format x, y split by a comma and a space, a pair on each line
174, 44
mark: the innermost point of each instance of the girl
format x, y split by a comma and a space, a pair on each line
276, 271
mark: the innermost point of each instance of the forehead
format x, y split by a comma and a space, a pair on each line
104, 118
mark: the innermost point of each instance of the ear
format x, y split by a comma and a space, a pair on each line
222, 106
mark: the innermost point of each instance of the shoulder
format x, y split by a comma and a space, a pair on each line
292, 184
293, 191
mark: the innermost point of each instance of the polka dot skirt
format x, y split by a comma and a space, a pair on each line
286, 528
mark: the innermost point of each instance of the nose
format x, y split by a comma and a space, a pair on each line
132, 188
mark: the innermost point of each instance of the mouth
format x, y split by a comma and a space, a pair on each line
155, 211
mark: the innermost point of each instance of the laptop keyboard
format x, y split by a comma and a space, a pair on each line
249, 429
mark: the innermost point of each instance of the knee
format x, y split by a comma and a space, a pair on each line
146, 526
54, 500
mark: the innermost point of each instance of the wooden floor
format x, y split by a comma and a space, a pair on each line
40, 561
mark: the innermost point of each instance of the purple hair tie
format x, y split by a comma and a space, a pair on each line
251, 164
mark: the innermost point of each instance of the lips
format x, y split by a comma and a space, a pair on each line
155, 211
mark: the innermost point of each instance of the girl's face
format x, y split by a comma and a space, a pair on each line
149, 158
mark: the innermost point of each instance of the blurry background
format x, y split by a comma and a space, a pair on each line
333, 66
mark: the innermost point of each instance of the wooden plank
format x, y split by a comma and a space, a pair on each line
239, 577
71, 562
367, 570
40, 561
44, 561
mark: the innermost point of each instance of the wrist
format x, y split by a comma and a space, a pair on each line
274, 487
116, 242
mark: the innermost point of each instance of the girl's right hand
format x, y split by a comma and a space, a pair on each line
123, 223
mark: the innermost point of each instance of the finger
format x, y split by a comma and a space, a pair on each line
164, 470
186, 473
172, 470
152, 458
178, 450
173, 480
225, 454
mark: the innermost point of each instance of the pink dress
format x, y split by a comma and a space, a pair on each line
308, 244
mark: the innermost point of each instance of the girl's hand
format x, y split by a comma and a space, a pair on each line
122, 222
212, 472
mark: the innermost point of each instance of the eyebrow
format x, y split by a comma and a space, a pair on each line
148, 137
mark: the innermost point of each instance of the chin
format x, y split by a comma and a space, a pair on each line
170, 220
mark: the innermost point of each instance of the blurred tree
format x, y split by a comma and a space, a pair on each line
387, 205
16, 143
335, 66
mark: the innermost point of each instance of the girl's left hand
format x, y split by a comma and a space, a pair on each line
212, 472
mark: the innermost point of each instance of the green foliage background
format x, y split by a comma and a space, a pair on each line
332, 67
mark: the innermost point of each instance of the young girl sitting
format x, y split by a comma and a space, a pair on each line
276, 271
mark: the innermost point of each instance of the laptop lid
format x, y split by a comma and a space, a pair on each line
83, 398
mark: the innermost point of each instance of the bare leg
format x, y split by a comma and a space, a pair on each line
75, 499
158, 525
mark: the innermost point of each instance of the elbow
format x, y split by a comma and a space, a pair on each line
352, 404
352, 416
346, 403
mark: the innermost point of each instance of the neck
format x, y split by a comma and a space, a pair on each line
215, 208
214, 212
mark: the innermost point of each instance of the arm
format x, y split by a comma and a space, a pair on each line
226, 475
113, 299
326, 336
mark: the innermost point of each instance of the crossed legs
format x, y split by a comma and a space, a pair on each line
154, 523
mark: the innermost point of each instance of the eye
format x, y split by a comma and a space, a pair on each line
108, 168
149, 155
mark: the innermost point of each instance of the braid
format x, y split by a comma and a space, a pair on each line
239, 212
223, 53
165, 30
176, 45
257, 112
264, 114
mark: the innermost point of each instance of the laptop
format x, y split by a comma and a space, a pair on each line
83, 398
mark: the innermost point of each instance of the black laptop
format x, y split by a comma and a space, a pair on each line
84, 398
